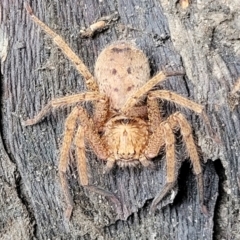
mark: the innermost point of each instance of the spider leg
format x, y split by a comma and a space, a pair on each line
86, 132
70, 126
173, 97
169, 139
156, 141
101, 108
83, 173
165, 131
181, 122
136, 97
81, 156
91, 134
62, 102
80, 66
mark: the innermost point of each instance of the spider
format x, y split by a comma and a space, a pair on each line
124, 129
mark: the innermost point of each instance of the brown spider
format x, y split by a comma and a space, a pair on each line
124, 130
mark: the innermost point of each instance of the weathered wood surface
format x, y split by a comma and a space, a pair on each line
204, 39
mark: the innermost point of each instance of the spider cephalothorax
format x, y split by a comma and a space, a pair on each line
126, 127
126, 140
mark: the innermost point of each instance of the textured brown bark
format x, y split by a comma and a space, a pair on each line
204, 39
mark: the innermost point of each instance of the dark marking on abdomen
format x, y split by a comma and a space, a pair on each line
130, 88
129, 70
118, 50
114, 71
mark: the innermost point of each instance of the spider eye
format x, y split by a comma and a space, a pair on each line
124, 121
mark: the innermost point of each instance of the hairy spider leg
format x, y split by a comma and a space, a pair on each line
83, 173
70, 126
177, 121
86, 130
58, 40
91, 134
184, 127
101, 111
180, 122
136, 97
169, 142
63, 102
154, 115
184, 102
155, 141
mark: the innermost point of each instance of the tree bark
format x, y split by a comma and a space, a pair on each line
203, 39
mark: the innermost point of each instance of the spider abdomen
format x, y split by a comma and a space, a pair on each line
120, 70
